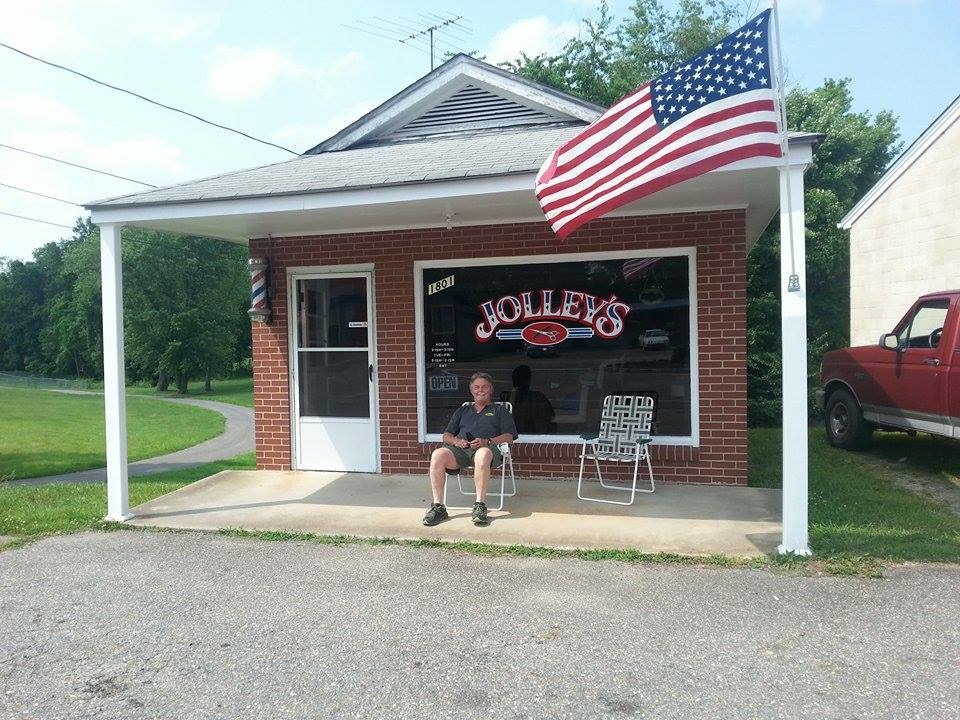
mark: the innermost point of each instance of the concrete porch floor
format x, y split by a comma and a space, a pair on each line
687, 519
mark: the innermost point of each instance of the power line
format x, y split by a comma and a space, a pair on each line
32, 192
82, 167
45, 222
386, 37
145, 98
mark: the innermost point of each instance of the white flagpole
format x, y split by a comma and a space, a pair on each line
793, 327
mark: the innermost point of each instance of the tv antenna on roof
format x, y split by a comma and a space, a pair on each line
419, 33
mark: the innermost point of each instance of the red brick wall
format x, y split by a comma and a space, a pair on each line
719, 238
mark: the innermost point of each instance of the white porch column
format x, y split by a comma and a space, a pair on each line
114, 377
793, 324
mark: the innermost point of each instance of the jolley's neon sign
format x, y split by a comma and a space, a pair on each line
601, 316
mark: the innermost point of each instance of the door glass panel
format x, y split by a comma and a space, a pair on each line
332, 313
930, 316
334, 384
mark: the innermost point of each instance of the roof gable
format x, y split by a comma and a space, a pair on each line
899, 166
462, 94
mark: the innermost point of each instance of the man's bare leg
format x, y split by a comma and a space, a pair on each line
440, 461
481, 472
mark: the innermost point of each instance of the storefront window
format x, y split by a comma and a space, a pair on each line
559, 336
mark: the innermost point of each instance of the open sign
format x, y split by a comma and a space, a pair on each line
444, 383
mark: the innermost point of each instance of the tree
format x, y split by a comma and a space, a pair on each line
185, 306
855, 151
72, 334
609, 61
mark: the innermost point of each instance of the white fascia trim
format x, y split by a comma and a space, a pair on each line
692, 440
902, 164
509, 220
408, 192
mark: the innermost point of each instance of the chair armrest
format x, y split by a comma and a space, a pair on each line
645, 441
504, 448
588, 438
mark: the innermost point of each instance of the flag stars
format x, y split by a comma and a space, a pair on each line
701, 99
743, 85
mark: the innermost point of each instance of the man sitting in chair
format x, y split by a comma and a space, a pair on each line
471, 438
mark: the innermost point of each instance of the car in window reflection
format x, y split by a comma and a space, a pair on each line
535, 351
654, 339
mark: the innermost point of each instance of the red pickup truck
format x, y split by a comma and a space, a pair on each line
909, 380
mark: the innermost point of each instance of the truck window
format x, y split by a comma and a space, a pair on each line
929, 316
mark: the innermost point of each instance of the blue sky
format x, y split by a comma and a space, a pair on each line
292, 73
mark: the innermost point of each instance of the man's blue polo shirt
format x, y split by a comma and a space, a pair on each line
493, 420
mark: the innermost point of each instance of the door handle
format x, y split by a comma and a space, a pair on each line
931, 361
370, 372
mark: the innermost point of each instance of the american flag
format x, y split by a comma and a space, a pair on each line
717, 108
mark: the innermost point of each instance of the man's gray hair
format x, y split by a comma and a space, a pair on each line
482, 376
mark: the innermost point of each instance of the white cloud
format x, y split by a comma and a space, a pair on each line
247, 74
65, 26
532, 36
147, 157
239, 75
35, 108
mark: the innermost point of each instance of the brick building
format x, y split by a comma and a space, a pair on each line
408, 251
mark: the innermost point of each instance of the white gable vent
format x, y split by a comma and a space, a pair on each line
468, 108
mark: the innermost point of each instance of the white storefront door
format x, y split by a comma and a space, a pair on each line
333, 363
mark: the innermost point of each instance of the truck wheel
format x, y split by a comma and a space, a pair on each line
844, 422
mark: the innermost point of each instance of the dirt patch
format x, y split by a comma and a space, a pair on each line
939, 487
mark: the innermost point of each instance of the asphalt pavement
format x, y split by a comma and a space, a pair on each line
140, 624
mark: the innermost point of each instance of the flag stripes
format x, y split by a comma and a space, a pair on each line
718, 108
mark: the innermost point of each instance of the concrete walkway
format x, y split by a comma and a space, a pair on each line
694, 520
236, 438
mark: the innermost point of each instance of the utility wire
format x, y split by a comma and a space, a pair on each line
152, 102
45, 222
82, 167
385, 37
32, 192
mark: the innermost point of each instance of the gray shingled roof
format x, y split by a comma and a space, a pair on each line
477, 154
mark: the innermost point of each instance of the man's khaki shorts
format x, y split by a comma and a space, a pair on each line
464, 458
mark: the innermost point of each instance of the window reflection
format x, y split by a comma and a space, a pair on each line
558, 337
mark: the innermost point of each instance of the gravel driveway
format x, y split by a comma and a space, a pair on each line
182, 625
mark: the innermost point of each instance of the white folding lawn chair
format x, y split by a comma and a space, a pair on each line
624, 437
507, 462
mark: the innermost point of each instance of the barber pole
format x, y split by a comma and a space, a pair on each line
259, 309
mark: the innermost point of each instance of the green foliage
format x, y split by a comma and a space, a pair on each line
32, 511
607, 61
855, 151
859, 508
47, 433
185, 305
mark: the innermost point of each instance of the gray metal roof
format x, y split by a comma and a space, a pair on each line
502, 151
497, 152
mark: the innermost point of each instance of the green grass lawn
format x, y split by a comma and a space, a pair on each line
31, 511
47, 433
236, 391
857, 506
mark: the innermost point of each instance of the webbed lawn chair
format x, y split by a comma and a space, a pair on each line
624, 437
